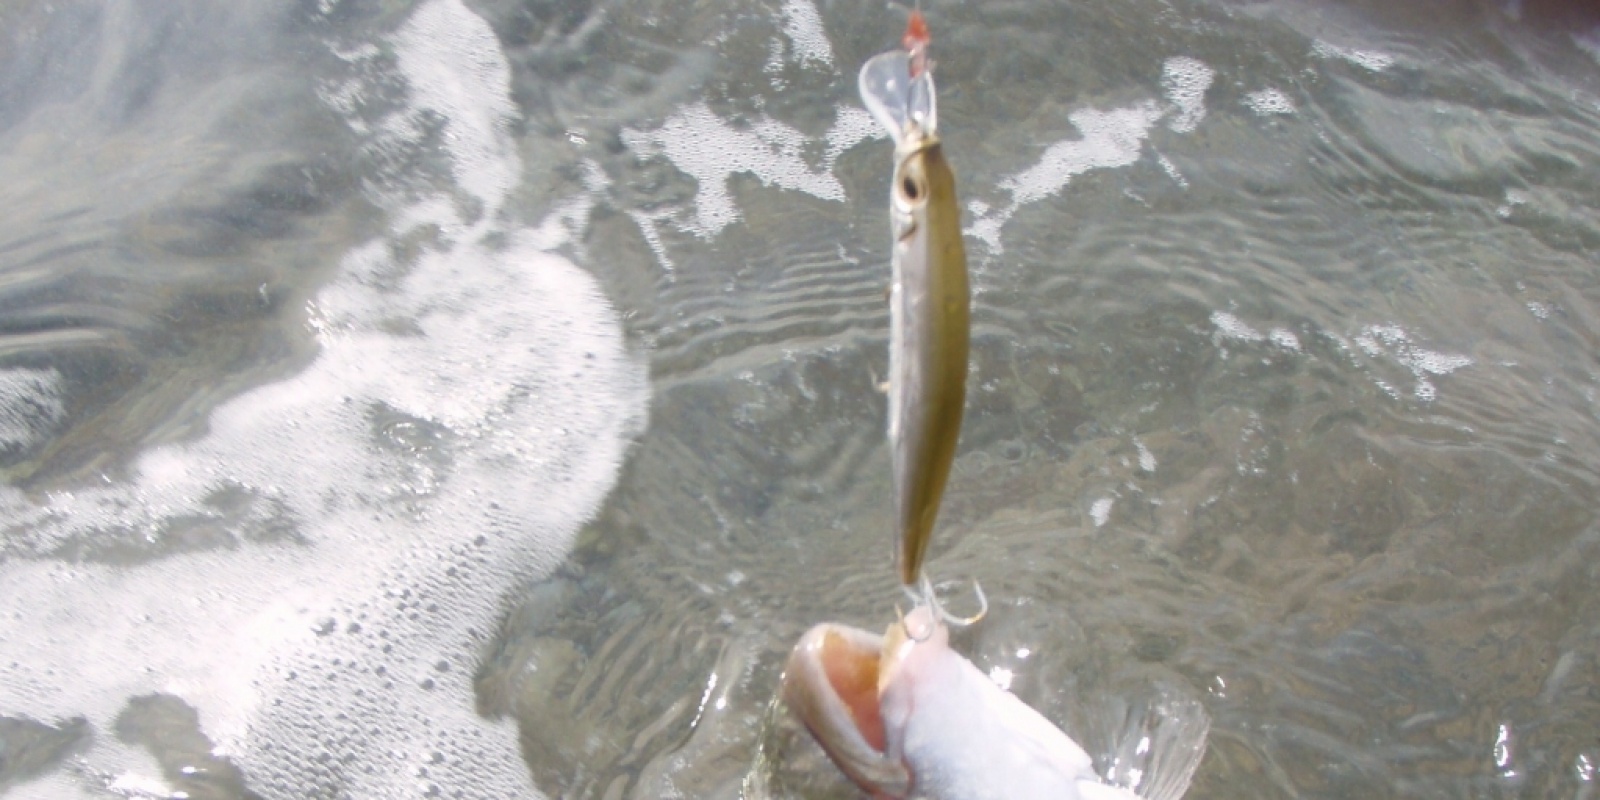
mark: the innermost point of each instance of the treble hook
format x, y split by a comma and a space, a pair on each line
924, 593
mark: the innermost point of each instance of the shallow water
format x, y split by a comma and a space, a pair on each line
477, 399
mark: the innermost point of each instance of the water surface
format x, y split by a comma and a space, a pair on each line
478, 399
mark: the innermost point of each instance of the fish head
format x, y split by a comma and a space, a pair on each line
831, 684
848, 687
903, 715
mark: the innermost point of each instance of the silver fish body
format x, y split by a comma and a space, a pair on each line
907, 718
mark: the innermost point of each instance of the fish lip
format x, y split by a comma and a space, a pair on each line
821, 704
818, 660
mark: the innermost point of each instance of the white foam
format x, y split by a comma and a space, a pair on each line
652, 235
851, 127
454, 65
802, 24
1184, 81
1109, 139
1284, 338
1393, 343
1231, 327
1147, 459
1370, 60
1112, 138
1100, 511
1435, 363
1172, 171
711, 150
986, 228
1514, 198
1379, 342
131, 784
344, 659
1269, 102
774, 63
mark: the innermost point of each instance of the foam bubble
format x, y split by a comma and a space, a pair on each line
454, 65
1231, 327
1435, 363
851, 127
1269, 102
1172, 171
1514, 199
1284, 338
1100, 511
803, 26
987, 228
1109, 139
1147, 459
1370, 60
774, 64
710, 149
1184, 81
1393, 343
466, 413
1112, 138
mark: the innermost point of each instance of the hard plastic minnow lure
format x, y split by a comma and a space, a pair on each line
928, 298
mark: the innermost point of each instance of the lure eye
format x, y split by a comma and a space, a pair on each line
911, 182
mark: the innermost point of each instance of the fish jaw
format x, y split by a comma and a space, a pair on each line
831, 684
940, 729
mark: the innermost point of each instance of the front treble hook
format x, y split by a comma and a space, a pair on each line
923, 594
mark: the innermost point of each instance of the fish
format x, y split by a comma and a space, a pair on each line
929, 295
903, 715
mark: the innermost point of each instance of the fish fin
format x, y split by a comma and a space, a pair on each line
1152, 730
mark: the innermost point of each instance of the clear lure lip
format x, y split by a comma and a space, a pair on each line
899, 102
